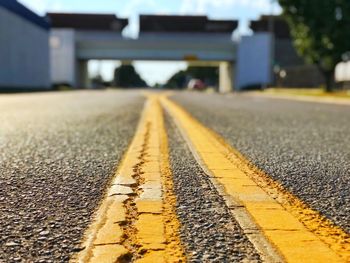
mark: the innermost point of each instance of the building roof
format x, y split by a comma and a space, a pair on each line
281, 27
82, 21
172, 23
22, 11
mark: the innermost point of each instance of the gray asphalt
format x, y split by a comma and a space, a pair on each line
303, 145
57, 153
59, 150
208, 231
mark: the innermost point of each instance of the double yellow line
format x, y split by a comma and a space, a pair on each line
137, 220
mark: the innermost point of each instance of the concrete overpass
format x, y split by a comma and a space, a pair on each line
197, 40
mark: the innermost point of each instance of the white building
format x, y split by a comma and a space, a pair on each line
69, 32
24, 48
342, 73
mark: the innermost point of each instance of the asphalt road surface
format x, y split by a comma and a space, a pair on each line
303, 145
57, 153
201, 210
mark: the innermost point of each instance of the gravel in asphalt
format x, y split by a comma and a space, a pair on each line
57, 153
208, 231
303, 145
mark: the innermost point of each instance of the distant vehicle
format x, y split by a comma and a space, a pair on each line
196, 84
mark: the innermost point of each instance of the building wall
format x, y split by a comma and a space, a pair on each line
303, 76
63, 57
24, 53
297, 73
285, 53
254, 61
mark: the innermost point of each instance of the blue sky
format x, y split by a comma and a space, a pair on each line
243, 10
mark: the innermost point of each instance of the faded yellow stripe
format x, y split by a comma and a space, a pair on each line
299, 233
136, 220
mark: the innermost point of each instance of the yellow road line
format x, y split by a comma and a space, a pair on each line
298, 233
137, 221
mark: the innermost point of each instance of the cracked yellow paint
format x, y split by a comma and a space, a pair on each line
149, 206
150, 234
137, 221
156, 210
152, 177
155, 257
298, 233
108, 253
111, 232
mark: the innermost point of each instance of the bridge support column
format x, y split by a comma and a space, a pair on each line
226, 77
83, 74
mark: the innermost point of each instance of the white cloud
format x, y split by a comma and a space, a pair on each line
244, 10
133, 5
132, 10
203, 6
41, 6
129, 11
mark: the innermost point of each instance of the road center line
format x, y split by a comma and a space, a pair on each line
136, 221
261, 205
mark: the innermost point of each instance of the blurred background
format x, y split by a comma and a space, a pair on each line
220, 45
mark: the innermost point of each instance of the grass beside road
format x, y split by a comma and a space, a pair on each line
318, 92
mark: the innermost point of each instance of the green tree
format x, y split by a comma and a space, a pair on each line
209, 75
126, 76
177, 81
321, 32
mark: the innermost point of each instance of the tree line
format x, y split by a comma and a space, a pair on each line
321, 32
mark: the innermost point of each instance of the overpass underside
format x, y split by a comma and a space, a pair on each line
196, 50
